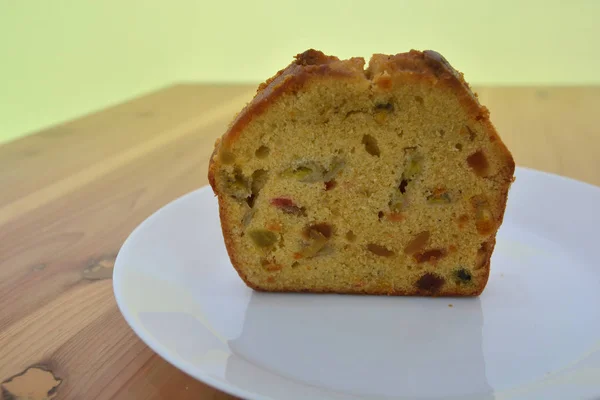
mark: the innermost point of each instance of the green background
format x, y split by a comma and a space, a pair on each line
63, 59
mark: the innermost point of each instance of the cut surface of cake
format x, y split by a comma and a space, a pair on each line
338, 178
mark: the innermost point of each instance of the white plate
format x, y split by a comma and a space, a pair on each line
533, 333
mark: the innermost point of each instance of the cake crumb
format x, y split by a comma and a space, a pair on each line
450, 305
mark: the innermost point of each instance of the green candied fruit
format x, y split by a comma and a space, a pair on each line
236, 185
413, 167
299, 173
397, 201
263, 237
334, 169
442, 198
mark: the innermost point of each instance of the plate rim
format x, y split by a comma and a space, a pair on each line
188, 367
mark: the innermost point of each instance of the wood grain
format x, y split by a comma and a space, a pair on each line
71, 194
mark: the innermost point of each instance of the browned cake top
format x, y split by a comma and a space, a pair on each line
421, 65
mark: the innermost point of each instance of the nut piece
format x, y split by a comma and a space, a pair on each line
263, 238
418, 243
380, 250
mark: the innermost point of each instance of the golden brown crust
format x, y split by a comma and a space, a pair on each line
427, 65
415, 65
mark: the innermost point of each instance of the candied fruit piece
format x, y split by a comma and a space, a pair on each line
478, 163
288, 206
350, 236
382, 111
330, 185
439, 196
414, 164
483, 254
334, 169
371, 145
237, 185
417, 243
484, 219
462, 221
431, 255
397, 201
300, 173
380, 250
396, 216
263, 237
323, 228
318, 236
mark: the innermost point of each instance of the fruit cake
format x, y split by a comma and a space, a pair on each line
385, 180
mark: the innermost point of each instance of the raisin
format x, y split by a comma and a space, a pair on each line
330, 184
389, 107
463, 275
430, 282
403, 185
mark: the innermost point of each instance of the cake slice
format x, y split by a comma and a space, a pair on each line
385, 180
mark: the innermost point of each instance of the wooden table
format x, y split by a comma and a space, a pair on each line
71, 194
